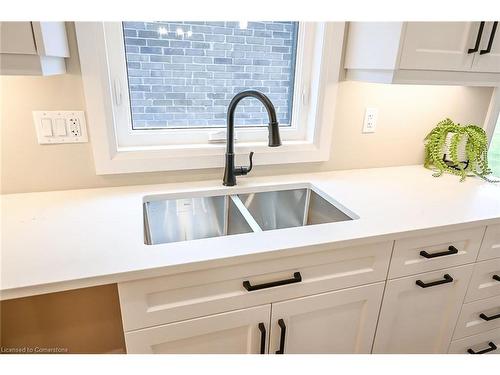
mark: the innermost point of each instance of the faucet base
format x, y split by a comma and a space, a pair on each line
229, 178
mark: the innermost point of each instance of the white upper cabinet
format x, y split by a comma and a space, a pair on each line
33, 48
487, 59
438, 46
17, 38
462, 53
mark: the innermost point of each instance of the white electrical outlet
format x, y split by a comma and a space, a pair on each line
60, 127
74, 127
370, 121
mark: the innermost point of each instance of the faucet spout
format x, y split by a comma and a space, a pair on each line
230, 172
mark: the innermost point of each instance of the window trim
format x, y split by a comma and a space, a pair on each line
493, 114
110, 157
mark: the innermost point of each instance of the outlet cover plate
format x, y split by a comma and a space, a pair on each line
53, 127
370, 122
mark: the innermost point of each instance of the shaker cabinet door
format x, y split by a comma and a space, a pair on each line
336, 322
236, 332
438, 45
419, 313
489, 60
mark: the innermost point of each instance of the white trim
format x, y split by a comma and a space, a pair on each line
493, 114
110, 157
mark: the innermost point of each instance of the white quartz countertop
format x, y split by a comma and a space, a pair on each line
62, 240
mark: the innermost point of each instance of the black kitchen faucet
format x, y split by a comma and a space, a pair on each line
231, 171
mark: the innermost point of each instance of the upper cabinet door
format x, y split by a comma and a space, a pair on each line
17, 37
419, 312
235, 332
438, 45
334, 322
487, 59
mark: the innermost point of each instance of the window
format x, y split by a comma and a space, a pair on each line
184, 74
494, 150
157, 92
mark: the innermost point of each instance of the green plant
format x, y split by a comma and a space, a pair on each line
476, 150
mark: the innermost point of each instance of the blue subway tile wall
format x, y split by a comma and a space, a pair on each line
184, 74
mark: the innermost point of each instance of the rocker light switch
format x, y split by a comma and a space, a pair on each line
46, 127
60, 127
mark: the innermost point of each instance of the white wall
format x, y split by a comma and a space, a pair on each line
406, 114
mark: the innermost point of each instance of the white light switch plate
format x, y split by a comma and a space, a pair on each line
54, 127
370, 121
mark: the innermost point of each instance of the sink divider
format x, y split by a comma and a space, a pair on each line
306, 207
246, 214
147, 230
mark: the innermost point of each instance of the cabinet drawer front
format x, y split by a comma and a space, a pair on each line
485, 280
490, 247
477, 317
234, 332
486, 341
161, 300
416, 319
433, 252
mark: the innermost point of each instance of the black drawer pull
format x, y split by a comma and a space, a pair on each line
262, 329
488, 318
282, 325
297, 278
451, 250
496, 277
447, 279
491, 348
490, 41
478, 38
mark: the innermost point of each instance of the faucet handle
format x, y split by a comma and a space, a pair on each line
241, 171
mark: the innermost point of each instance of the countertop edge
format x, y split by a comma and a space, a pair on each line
134, 275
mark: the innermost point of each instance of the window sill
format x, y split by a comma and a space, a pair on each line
133, 159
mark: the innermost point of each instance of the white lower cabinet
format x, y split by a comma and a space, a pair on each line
337, 322
478, 316
236, 332
333, 300
419, 313
483, 343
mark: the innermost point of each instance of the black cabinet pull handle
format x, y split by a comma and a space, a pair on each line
478, 39
491, 348
496, 277
262, 329
488, 318
490, 41
282, 325
447, 279
297, 278
451, 250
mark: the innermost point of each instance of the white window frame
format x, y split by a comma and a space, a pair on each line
493, 114
119, 149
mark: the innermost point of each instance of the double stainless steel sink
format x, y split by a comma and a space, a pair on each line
191, 217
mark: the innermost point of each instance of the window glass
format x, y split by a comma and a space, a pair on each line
184, 74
